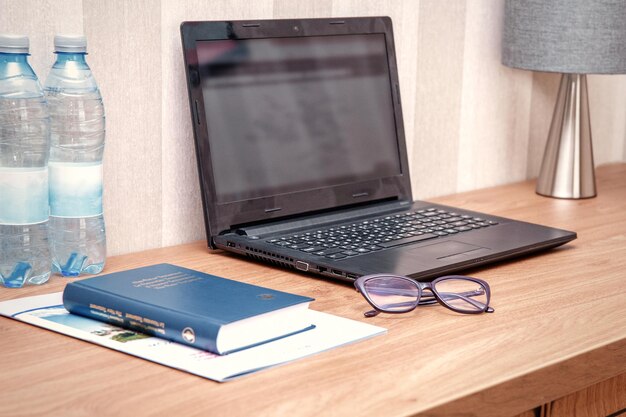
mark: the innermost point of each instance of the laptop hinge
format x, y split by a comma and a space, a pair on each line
321, 220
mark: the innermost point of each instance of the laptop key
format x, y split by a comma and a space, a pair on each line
407, 240
336, 256
299, 246
330, 251
312, 249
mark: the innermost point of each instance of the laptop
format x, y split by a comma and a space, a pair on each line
302, 157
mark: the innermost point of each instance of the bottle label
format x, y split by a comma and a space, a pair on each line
75, 189
23, 195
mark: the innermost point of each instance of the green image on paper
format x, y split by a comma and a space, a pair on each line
119, 335
59, 315
128, 336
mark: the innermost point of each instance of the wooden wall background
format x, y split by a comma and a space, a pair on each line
470, 122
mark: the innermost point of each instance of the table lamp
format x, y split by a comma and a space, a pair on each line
573, 37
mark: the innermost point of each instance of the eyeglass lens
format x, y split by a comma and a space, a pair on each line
462, 294
392, 294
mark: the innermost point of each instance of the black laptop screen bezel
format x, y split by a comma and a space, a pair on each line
222, 217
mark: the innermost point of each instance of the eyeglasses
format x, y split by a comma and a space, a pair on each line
397, 294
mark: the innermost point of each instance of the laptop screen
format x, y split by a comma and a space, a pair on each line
301, 113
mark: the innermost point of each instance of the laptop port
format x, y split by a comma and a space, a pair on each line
230, 244
302, 266
351, 276
321, 269
337, 272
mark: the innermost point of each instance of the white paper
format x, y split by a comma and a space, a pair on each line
47, 311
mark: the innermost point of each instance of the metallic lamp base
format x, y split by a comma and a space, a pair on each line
567, 170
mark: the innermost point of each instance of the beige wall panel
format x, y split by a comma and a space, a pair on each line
543, 96
493, 139
124, 54
182, 219
40, 21
438, 98
607, 108
294, 9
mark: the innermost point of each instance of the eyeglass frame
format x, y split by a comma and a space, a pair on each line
359, 284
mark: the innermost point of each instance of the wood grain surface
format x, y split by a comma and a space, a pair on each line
559, 327
608, 398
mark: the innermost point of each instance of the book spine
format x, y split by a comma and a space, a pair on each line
141, 317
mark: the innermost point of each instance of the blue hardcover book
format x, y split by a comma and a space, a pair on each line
189, 307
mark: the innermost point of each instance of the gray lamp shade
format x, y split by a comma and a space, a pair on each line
568, 36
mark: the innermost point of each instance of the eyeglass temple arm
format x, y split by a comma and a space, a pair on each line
465, 296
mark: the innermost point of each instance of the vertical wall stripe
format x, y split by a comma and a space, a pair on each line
495, 106
607, 108
545, 87
434, 149
293, 9
125, 56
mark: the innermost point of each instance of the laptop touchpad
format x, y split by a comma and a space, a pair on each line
443, 250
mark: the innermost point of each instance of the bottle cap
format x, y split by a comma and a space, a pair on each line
14, 44
70, 43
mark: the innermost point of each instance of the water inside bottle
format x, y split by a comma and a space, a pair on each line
79, 245
24, 255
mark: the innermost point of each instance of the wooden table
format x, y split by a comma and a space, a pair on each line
559, 327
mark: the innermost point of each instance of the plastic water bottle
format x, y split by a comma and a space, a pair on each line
77, 233
24, 150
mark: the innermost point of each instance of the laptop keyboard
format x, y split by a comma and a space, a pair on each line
370, 235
